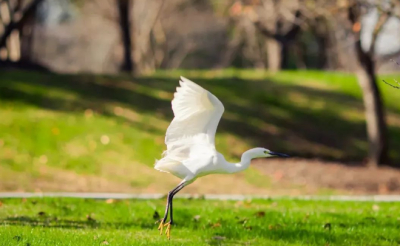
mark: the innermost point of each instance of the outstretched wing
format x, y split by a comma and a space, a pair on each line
196, 111
191, 134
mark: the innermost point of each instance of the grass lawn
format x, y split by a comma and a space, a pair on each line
198, 222
103, 133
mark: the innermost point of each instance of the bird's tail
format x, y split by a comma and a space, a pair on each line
165, 164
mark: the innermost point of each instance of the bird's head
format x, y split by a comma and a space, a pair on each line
263, 153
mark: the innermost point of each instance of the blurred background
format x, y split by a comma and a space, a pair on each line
86, 85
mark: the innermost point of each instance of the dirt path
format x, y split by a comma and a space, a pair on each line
316, 174
271, 177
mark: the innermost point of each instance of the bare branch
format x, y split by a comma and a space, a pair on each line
383, 18
396, 87
395, 80
19, 24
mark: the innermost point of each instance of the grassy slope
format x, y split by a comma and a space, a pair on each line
131, 222
87, 132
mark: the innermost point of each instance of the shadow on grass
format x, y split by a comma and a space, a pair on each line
233, 229
299, 120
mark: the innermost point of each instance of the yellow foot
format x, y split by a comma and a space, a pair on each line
160, 227
168, 231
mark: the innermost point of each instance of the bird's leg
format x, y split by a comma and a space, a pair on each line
162, 222
167, 208
173, 193
168, 225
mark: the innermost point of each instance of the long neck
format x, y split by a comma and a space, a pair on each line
242, 165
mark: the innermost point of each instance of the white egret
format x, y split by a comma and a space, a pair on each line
190, 143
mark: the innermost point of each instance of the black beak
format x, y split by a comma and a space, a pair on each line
278, 154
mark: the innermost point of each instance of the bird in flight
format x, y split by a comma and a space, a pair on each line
190, 142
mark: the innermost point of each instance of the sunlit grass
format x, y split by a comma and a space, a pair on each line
113, 127
259, 222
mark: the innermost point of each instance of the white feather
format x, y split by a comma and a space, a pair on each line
197, 114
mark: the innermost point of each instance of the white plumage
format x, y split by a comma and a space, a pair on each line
190, 141
197, 114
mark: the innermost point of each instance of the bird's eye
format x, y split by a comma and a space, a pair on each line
265, 152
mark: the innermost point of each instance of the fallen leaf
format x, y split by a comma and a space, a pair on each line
260, 214
216, 225
1, 204
196, 217
109, 201
327, 226
104, 243
248, 228
90, 218
375, 207
273, 227
17, 238
156, 215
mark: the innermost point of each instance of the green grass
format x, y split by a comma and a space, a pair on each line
198, 222
111, 128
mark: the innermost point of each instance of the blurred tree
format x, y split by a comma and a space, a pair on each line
325, 17
366, 75
146, 13
124, 11
243, 41
136, 20
279, 21
350, 17
18, 19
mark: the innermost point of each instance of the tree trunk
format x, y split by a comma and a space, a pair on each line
125, 26
274, 53
10, 27
300, 57
285, 47
27, 39
365, 71
374, 114
321, 33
